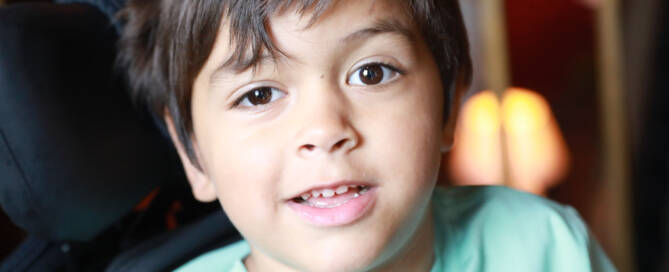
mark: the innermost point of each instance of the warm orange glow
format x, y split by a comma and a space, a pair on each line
477, 149
535, 151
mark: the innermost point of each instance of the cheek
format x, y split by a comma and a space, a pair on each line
244, 169
406, 139
412, 157
409, 133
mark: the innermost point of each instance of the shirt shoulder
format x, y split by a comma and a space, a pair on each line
485, 227
228, 258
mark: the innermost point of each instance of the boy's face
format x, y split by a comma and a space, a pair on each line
354, 107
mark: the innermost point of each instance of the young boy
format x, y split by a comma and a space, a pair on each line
319, 125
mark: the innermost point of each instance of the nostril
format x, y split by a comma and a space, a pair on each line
309, 147
339, 144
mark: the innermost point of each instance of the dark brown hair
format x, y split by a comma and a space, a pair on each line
165, 44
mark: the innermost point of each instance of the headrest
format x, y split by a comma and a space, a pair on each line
75, 155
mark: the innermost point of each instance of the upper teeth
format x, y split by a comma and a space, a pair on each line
341, 190
328, 192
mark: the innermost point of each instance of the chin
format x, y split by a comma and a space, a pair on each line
345, 254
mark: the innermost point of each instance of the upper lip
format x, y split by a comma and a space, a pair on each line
332, 185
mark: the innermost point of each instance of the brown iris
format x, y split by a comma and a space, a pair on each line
371, 74
260, 96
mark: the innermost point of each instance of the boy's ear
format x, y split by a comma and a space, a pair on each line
203, 189
449, 125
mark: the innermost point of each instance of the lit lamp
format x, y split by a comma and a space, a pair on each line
476, 154
517, 143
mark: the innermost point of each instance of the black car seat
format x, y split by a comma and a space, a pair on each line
92, 181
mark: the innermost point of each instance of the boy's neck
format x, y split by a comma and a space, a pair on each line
418, 255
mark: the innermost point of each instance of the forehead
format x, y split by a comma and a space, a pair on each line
321, 23
343, 19
341, 13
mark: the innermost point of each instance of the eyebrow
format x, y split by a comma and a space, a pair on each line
232, 67
382, 26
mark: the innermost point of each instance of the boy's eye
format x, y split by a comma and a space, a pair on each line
259, 96
372, 74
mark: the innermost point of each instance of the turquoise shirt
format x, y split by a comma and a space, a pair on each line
482, 228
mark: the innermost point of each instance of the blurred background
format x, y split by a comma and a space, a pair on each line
570, 101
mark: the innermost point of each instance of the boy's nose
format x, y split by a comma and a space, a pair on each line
327, 140
326, 131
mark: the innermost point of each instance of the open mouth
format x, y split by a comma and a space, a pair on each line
331, 198
336, 205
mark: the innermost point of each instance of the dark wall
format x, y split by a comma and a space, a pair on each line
651, 167
552, 51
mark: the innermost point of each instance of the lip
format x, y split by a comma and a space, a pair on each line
346, 213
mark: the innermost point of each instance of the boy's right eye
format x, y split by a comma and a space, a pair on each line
259, 96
